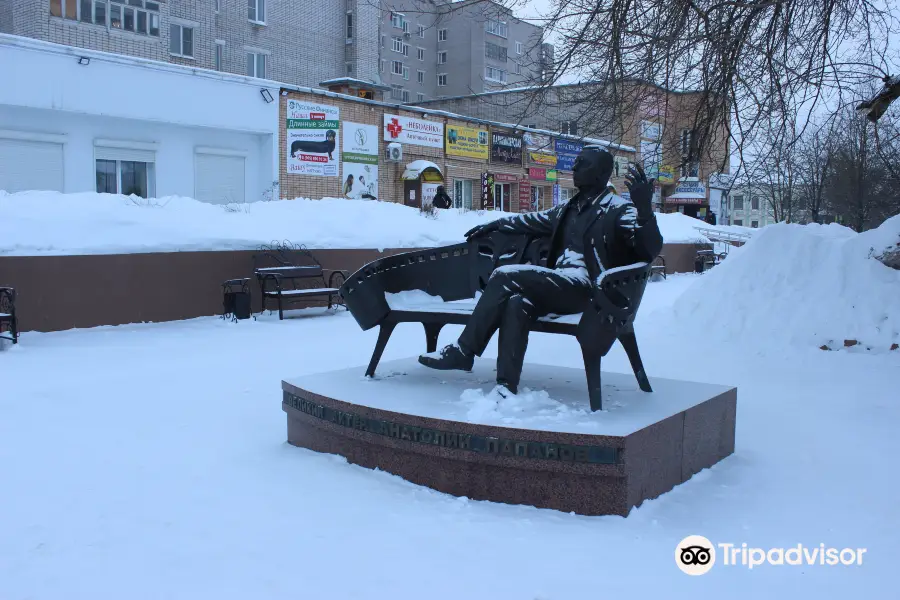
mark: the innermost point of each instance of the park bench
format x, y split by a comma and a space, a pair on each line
289, 273
439, 287
658, 267
8, 320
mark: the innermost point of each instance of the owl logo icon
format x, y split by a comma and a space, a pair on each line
695, 555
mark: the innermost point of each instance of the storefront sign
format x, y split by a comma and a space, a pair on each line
312, 139
360, 169
691, 187
666, 174
556, 195
552, 175
467, 141
487, 191
537, 141
566, 153
506, 148
536, 174
505, 178
524, 197
543, 158
417, 132
651, 130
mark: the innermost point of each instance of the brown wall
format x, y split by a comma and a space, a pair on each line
62, 292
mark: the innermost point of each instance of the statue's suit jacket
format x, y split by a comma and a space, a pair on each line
616, 236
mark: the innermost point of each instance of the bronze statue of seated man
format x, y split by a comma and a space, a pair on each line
594, 231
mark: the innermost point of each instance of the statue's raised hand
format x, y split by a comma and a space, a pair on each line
641, 190
482, 230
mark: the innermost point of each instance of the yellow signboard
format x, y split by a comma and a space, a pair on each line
666, 174
468, 142
543, 158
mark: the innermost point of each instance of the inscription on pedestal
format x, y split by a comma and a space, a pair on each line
458, 441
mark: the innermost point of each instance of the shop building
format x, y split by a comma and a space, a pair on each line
330, 142
162, 130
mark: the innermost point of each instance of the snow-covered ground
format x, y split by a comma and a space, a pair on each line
48, 223
149, 461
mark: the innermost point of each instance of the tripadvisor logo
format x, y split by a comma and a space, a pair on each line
696, 555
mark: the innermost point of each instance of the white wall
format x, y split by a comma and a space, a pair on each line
45, 90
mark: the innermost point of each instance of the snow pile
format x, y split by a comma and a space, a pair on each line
811, 285
47, 223
524, 408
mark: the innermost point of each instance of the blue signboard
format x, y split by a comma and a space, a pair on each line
566, 153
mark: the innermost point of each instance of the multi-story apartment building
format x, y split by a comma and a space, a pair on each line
301, 42
748, 206
439, 49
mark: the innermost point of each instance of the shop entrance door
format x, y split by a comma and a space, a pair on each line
501, 196
537, 198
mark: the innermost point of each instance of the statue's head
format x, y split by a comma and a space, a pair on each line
592, 168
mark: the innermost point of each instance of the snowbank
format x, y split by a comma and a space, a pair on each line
47, 223
801, 284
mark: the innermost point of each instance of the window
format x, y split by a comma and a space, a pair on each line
398, 20
349, 25
349, 66
442, 58
125, 177
220, 53
420, 31
690, 169
383, 66
462, 193
420, 97
256, 11
442, 35
518, 68
568, 128
256, 64
420, 53
406, 95
739, 222
136, 16
181, 39
687, 142
442, 79
398, 45
383, 40
518, 47
754, 202
397, 92
494, 74
495, 52
218, 5
396, 67
420, 76
406, 73
739, 202
754, 224
497, 28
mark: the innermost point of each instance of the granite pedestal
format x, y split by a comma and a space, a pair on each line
446, 431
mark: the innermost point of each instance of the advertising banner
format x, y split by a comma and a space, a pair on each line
552, 175
566, 153
360, 168
417, 132
505, 178
487, 191
537, 141
468, 142
542, 158
524, 197
506, 148
312, 138
556, 195
620, 166
651, 155
651, 130
429, 191
666, 174
537, 174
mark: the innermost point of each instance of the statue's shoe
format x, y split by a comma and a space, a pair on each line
448, 358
